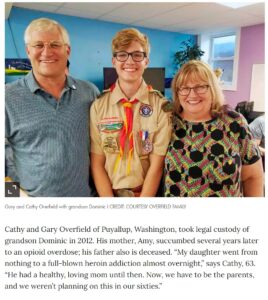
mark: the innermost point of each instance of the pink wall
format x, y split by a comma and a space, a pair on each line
251, 52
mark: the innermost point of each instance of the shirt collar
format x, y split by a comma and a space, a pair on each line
142, 94
34, 86
32, 83
70, 82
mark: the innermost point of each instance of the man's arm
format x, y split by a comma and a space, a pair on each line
258, 142
100, 176
10, 169
153, 176
257, 129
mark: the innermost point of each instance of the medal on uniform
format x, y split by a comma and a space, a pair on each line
147, 145
146, 110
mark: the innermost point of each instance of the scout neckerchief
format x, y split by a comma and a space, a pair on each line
125, 133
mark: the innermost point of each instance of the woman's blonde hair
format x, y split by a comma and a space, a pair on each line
198, 70
44, 24
125, 37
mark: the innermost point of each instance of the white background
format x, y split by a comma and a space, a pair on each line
202, 212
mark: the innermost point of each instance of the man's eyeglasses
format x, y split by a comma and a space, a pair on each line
137, 56
199, 89
55, 45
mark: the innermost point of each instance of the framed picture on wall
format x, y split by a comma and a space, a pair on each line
17, 66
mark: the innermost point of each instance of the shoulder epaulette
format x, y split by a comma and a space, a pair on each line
110, 89
158, 93
152, 90
103, 93
168, 106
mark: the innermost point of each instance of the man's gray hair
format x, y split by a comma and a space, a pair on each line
44, 24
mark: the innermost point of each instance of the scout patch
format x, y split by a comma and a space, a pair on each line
110, 125
146, 110
110, 144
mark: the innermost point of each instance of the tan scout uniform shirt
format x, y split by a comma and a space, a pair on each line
106, 121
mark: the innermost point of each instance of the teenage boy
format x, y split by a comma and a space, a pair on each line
129, 130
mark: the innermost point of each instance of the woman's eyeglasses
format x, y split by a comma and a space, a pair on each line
199, 90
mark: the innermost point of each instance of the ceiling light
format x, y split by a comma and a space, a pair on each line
236, 5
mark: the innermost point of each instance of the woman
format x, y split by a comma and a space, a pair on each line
211, 152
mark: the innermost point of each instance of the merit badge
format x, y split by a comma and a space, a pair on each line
146, 110
110, 145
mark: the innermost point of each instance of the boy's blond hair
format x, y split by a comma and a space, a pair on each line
125, 37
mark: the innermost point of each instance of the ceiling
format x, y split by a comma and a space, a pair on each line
184, 17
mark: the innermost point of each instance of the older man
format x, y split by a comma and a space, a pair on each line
47, 118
